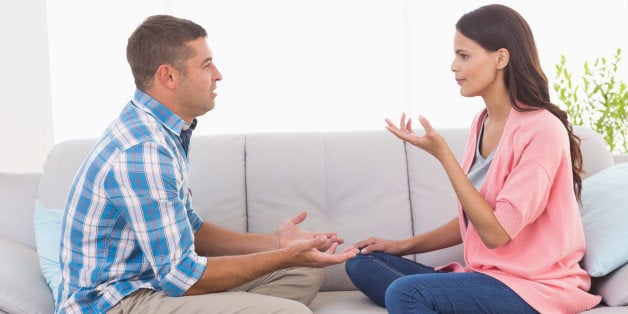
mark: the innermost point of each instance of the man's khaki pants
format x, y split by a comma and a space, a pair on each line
276, 292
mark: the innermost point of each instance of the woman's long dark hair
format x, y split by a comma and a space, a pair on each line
497, 26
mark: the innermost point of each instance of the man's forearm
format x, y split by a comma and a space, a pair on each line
226, 272
213, 240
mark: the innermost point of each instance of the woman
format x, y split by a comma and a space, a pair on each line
517, 191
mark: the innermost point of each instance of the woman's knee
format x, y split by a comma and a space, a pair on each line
403, 294
352, 266
395, 291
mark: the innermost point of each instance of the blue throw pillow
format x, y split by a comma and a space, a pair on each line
604, 212
48, 239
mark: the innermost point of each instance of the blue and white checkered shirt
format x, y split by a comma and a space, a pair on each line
129, 223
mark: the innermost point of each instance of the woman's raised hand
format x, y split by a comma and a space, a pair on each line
432, 142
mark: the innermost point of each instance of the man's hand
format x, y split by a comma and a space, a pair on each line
225, 272
289, 232
308, 253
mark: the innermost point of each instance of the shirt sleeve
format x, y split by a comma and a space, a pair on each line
150, 185
195, 219
526, 190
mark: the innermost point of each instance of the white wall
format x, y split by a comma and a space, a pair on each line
287, 64
25, 105
581, 30
91, 79
296, 65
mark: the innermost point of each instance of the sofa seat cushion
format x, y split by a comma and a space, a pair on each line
613, 287
607, 310
22, 288
345, 302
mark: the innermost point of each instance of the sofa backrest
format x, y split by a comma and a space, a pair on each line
358, 184
218, 163
17, 203
595, 153
433, 199
354, 183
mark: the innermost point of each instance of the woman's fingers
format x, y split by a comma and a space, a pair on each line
376, 247
426, 124
393, 129
402, 122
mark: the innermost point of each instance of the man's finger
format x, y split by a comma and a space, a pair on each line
347, 249
332, 248
341, 257
316, 243
299, 218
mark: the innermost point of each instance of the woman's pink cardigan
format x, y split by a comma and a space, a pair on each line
529, 185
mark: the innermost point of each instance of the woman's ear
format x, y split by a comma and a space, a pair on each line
503, 58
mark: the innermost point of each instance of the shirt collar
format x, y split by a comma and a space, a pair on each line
190, 126
165, 116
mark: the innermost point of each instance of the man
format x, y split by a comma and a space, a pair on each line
131, 239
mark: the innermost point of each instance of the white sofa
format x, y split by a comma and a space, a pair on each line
358, 184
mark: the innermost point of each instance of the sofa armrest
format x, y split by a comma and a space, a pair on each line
17, 204
23, 288
622, 157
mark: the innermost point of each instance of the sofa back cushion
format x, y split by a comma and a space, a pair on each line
64, 161
217, 179
358, 184
433, 199
17, 203
352, 183
595, 153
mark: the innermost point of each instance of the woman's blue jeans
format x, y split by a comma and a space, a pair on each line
404, 286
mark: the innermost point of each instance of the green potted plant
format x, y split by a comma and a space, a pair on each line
597, 99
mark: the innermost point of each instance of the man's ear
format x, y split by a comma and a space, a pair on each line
167, 76
503, 58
